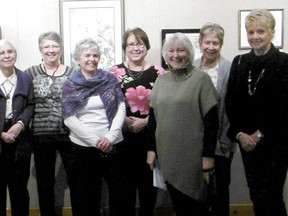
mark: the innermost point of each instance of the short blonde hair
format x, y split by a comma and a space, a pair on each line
261, 16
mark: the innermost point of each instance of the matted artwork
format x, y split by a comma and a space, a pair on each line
278, 37
99, 20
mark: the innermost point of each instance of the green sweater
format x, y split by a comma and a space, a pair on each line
180, 105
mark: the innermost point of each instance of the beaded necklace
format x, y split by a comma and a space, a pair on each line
250, 91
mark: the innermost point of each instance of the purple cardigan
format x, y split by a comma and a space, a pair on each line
23, 109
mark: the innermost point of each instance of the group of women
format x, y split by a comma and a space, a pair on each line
121, 121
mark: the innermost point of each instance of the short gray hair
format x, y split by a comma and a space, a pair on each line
183, 40
51, 35
209, 28
85, 44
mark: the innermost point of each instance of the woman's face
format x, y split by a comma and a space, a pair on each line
135, 51
259, 37
8, 56
210, 47
51, 51
177, 56
88, 61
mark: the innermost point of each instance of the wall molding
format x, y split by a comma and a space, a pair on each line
235, 210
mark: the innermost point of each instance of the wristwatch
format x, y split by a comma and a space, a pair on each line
259, 134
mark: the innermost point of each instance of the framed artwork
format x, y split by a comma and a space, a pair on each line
100, 20
0, 33
192, 34
278, 37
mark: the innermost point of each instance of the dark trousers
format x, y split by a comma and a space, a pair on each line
45, 152
265, 169
86, 167
137, 177
220, 203
14, 175
185, 205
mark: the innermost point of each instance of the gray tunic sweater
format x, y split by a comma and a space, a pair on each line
180, 105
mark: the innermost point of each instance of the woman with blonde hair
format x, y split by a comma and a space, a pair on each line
257, 108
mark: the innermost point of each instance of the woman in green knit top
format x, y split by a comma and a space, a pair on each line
185, 120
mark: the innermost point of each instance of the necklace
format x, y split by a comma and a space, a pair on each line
250, 92
53, 71
48, 78
7, 92
135, 74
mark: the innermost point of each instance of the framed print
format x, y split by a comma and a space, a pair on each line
100, 20
278, 37
192, 34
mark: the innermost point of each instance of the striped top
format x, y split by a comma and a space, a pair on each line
48, 92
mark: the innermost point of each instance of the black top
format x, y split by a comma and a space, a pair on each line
267, 108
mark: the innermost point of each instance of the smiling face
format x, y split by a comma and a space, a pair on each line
8, 56
51, 51
259, 37
177, 56
210, 47
88, 61
135, 50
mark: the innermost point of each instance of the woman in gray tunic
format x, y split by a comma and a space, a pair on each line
185, 121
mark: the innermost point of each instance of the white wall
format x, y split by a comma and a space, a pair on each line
23, 21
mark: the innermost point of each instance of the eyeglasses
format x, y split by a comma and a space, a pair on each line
132, 45
53, 47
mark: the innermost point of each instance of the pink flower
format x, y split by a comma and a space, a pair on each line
117, 72
138, 99
159, 69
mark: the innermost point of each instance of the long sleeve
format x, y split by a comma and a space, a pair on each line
151, 144
115, 133
211, 125
82, 131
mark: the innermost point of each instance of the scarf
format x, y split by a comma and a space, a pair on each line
77, 90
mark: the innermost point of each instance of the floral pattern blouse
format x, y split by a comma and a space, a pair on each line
137, 87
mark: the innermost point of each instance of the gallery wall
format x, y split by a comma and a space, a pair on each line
23, 21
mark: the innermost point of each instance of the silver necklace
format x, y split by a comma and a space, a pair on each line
251, 92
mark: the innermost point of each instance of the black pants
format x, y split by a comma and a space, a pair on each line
86, 167
220, 203
265, 169
185, 205
136, 175
14, 175
45, 152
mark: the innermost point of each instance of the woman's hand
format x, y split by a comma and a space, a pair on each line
104, 145
247, 142
136, 124
208, 165
151, 157
15, 130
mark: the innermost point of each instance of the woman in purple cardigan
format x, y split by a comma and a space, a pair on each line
16, 110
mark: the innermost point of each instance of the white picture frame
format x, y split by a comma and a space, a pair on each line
278, 37
100, 20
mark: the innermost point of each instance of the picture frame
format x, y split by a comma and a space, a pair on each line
0, 33
101, 20
192, 34
278, 37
